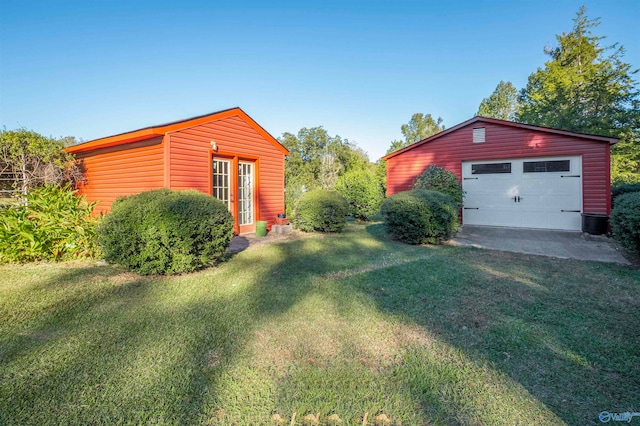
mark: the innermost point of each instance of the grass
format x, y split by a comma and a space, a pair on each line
348, 324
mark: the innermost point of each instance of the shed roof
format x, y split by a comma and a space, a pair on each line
162, 129
481, 119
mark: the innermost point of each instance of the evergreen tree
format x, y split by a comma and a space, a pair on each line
588, 88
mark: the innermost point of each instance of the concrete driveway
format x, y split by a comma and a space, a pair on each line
562, 244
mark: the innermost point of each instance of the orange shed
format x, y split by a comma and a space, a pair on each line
225, 154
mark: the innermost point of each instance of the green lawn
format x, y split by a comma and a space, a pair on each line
342, 324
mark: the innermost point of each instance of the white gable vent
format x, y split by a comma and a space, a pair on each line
478, 135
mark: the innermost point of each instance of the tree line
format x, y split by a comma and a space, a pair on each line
583, 87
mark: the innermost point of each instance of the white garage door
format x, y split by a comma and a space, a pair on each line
524, 192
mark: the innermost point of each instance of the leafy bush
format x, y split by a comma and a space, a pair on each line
52, 223
624, 188
362, 191
28, 159
321, 210
166, 232
420, 216
438, 179
625, 221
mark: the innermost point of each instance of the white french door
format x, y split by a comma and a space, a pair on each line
233, 183
245, 193
222, 181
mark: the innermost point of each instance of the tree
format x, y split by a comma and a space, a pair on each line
588, 88
329, 171
420, 127
317, 160
502, 104
397, 145
29, 160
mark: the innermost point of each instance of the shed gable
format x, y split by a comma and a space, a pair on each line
190, 155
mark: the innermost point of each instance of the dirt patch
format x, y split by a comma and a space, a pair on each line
213, 359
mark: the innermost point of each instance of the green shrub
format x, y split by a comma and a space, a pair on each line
625, 221
420, 216
436, 178
166, 232
362, 191
624, 188
52, 223
320, 210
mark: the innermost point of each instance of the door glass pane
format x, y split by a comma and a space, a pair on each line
547, 166
491, 168
221, 181
245, 193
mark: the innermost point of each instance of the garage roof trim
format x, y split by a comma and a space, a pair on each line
478, 118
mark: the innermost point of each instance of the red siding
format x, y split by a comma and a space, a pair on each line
121, 170
190, 156
503, 142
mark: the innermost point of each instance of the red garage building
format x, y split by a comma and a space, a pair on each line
514, 174
225, 154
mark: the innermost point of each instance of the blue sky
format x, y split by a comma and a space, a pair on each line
360, 69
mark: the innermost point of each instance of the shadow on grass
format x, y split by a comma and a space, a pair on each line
561, 329
171, 350
141, 349
239, 243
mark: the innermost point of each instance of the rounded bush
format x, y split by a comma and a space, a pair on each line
166, 232
438, 179
625, 221
362, 191
320, 210
625, 188
420, 216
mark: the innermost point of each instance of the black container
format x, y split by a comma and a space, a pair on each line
595, 223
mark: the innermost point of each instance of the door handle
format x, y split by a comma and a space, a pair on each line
517, 198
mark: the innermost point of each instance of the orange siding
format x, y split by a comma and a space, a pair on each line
122, 170
178, 155
503, 142
190, 157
